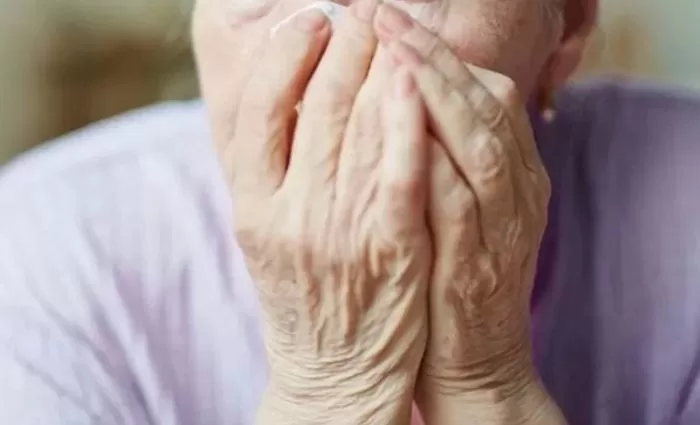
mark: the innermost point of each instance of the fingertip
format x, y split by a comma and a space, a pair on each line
264, 126
311, 20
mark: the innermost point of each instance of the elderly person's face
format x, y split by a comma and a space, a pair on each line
537, 43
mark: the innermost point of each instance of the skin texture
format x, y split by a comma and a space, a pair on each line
340, 250
407, 175
489, 193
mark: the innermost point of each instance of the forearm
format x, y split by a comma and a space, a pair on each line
388, 403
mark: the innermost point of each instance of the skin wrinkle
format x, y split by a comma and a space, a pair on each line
334, 324
357, 329
480, 301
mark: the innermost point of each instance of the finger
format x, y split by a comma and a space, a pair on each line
403, 182
494, 97
259, 150
505, 93
362, 148
479, 154
393, 24
452, 202
330, 95
452, 209
533, 180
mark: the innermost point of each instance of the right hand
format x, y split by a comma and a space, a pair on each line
331, 217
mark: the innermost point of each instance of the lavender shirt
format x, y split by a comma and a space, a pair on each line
124, 300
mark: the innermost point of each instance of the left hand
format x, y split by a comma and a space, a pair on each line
488, 212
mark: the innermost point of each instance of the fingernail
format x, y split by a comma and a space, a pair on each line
392, 21
404, 84
364, 9
312, 20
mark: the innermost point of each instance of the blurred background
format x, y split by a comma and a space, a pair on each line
66, 63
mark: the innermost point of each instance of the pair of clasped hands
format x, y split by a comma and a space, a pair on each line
390, 204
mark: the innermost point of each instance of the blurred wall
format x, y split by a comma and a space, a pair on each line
66, 63
648, 39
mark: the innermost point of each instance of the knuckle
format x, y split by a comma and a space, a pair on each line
505, 91
502, 88
425, 42
496, 118
446, 92
488, 156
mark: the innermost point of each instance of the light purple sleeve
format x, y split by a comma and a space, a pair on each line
122, 298
617, 331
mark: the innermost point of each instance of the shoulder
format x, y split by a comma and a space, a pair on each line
624, 89
623, 134
126, 178
140, 195
599, 97
627, 226
173, 134
638, 140
615, 112
118, 238
140, 191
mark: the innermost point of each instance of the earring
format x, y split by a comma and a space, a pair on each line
547, 104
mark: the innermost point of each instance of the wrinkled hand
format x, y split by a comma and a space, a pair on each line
489, 193
331, 217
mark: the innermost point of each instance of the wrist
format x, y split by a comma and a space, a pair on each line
350, 400
516, 402
498, 373
361, 369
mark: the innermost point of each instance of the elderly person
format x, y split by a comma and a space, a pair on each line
391, 216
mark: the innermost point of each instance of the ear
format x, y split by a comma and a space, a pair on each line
579, 21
